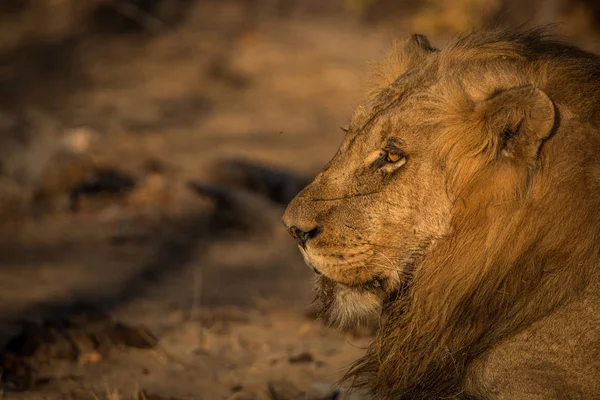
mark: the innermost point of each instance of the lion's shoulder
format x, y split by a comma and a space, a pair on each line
556, 357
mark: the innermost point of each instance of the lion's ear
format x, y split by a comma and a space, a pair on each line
519, 120
419, 42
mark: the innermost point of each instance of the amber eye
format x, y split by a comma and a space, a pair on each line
393, 156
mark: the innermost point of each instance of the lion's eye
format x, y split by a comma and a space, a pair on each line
393, 157
389, 158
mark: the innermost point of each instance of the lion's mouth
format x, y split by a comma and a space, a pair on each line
389, 289
375, 283
378, 283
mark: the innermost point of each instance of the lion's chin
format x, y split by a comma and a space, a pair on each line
346, 306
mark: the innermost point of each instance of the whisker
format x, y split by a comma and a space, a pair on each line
387, 258
350, 265
402, 272
381, 245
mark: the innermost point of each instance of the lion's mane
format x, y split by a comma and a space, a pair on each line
518, 250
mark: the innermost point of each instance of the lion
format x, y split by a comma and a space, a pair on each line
461, 212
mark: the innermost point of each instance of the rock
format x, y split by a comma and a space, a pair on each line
304, 357
285, 390
237, 388
78, 140
242, 395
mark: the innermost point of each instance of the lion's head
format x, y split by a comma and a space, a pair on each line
457, 208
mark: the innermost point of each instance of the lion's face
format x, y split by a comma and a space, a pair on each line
373, 212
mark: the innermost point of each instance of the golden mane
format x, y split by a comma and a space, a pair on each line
515, 255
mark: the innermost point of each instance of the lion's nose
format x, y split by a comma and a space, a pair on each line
303, 236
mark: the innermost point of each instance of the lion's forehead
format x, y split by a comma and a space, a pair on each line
405, 122
409, 86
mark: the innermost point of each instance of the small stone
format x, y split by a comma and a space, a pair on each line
78, 140
237, 388
323, 391
144, 395
242, 396
304, 357
284, 390
92, 357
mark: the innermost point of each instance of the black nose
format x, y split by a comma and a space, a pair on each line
303, 236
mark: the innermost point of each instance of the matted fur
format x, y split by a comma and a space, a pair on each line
524, 225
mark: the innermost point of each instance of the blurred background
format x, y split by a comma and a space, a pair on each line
147, 151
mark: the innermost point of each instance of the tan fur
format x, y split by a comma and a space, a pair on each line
485, 244
402, 56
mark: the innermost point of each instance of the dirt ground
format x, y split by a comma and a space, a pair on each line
145, 167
